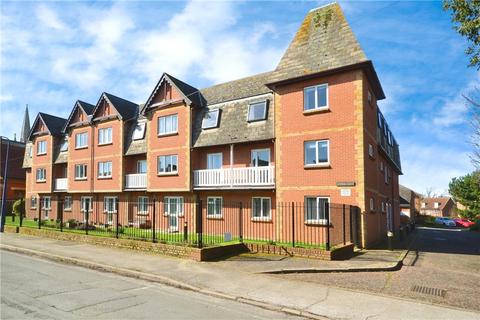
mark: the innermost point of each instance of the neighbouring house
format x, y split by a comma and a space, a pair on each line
309, 131
438, 207
409, 201
15, 172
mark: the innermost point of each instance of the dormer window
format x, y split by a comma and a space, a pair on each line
139, 131
210, 119
257, 111
64, 146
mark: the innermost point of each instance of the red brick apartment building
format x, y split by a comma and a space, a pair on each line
309, 131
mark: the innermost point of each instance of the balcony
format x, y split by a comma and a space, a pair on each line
136, 181
61, 184
235, 178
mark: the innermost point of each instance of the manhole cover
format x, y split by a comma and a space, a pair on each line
430, 291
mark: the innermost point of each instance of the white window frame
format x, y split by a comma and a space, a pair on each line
316, 164
43, 175
383, 206
423, 205
83, 170
385, 174
46, 200
138, 166
371, 151
41, 147
318, 220
381, 166
214, 214
369, 97
209, 161
79, 143
167, 205
165, 172
67, 199
436, 205
33, 202
372, 204
106, 203
142, 203
217, 117
316, 107
165, 119
82, 206
30, 151
105, 136
263, 216
253, 104
64, 145
104, 169
256, 151
139, 131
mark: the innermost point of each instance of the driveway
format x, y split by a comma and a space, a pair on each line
442, 268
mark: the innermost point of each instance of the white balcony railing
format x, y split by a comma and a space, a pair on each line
136, 181
256, 177
61, 184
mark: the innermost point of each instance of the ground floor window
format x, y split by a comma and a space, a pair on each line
173, 206
261, 208
67, 203
33, 203
316, 209
110, 208
46, 205
86, 205
214, 207
142, 205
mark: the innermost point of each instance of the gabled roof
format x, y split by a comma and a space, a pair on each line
441, 200
237, 89
190, 94
127, 110
87, 108
54, 124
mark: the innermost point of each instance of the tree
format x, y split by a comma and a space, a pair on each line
474, 102
466, 21
466, 190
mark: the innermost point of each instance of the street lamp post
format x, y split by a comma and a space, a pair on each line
5, 180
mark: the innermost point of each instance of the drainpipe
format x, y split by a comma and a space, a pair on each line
231, 165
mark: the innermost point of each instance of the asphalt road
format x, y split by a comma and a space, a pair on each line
36, 289
444, 259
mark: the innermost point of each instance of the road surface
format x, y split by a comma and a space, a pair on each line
36, 289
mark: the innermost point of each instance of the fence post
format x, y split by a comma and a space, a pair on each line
240, 222
60, 212
185, 231
22, 213
199, 223
153, 222
344, 227
87, 216
327, 214
39, 209
116, 223
293, 224
351, 224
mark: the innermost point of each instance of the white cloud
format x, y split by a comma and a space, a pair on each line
49, 18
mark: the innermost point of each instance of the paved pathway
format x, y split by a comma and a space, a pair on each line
236, 283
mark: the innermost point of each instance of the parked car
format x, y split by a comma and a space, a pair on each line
404, 219
445, 221
463, 222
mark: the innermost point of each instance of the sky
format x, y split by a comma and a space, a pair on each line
53, 53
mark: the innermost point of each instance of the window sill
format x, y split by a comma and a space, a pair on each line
161, 135
320, 222
80, 179
80, 148
317, 166
70, 209
105, 144
315, 111
167, 174
261, 219
256, 120
41, 154
41, 181
142, 213
215, 217
104, 178
33, 208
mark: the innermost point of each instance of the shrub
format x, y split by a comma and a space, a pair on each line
19, 207
121, 230
72, 223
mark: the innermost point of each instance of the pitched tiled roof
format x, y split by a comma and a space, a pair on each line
405, 193
190, 92
127, 109
431, 201
323, 42
87, 107
135, 146
27, 160
54, 124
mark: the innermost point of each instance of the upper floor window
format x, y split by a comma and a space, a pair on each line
41, 175
257, 111
167, 164
30, 150
316, 97
210, 119
261, 208
214, 160
105, 169
168, 124
64, 145
424, 205
80, 171
139, 131
317, 152
436, 205
261, 158
372, 204
81, 140
142, 166
42, 147
316, 209
105, 136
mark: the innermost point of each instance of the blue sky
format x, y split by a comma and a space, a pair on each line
53, 53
